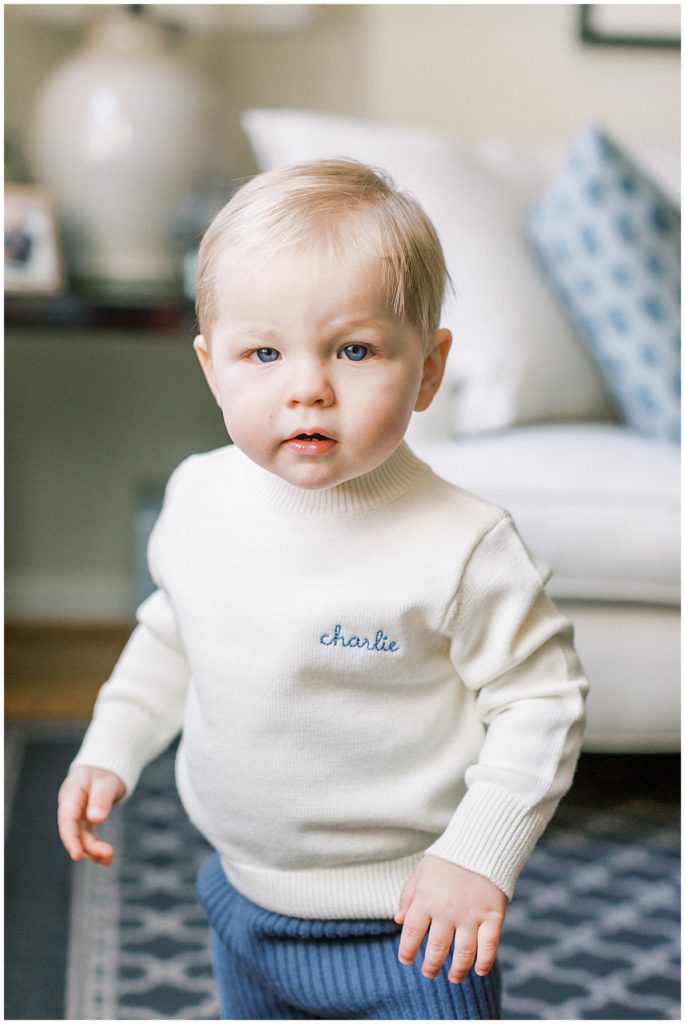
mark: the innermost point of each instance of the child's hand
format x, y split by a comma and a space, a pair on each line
85, 799
450, 900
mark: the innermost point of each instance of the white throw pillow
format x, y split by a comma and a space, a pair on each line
515, 358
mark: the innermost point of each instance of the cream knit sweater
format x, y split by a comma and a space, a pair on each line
361, 675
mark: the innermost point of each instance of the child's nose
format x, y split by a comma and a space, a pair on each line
310, 384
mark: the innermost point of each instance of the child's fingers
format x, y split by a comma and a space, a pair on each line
72, 801
86, 798
97, 849
488, 941
406, 896
70, 834
437, 948
415, 926
464, 953
103, 793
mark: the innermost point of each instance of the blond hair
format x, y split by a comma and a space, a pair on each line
343, 203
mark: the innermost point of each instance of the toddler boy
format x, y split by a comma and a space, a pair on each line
380, 708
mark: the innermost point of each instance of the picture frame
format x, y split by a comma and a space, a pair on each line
33, 258
642, 25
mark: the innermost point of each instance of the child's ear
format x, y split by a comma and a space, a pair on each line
433, 367
202, 352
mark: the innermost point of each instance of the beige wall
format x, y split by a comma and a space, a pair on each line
77, 452
518, 69
470, 69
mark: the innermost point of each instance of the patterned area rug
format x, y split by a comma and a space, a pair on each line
139, 940
593, 932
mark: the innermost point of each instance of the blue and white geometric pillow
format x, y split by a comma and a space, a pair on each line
609, 240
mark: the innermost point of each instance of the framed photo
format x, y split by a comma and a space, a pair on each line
33, 262
631, 24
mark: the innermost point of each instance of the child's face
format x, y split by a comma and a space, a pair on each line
316, 377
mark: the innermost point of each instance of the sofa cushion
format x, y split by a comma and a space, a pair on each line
631, 656
597, 502
515, 358
609, 241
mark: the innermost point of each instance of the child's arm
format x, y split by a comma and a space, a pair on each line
140, 708
85, 799
455, 904
138, 712
513, 650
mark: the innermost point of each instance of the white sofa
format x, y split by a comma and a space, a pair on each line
523, 418
599, 504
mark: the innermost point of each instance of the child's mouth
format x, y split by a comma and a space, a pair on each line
310, 444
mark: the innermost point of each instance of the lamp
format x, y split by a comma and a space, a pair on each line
119, 133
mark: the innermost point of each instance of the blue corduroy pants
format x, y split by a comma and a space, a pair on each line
271, 967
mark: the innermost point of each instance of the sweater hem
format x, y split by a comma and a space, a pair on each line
351, 891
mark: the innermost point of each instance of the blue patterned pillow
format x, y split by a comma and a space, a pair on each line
609, 240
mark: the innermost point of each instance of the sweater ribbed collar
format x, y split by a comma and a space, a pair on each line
372, 490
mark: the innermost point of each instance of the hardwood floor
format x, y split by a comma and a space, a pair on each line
54, 671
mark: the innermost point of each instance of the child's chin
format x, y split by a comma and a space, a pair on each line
315, 475
312, 480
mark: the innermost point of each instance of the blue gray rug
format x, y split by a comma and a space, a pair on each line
593, 932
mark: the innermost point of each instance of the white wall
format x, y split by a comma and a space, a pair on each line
76, 453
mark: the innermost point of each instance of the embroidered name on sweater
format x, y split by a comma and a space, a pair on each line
382, 643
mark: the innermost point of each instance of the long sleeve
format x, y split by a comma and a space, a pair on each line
139, 709
513, 649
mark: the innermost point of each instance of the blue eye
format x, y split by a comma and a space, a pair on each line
266, 355
355, 353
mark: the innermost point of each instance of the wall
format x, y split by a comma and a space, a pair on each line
467, 69
90, 420
518, 69
470, 69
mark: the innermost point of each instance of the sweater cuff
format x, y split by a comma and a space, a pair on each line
97, 754
492, 834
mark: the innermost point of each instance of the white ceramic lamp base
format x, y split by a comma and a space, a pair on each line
118, 135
